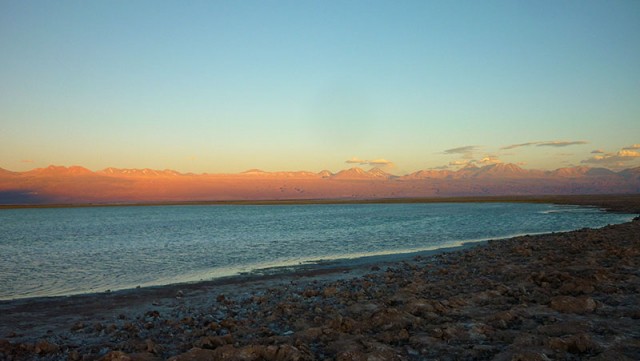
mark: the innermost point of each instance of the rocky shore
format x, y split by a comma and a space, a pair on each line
560, 296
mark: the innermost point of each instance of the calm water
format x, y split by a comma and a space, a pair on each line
46, 252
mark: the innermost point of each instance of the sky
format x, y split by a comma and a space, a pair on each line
225, 86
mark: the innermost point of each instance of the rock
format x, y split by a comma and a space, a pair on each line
391, 319
530, 356
577, 287
152, 347
360, 309
343, 324
5, 345
78, 326
613, 354
419, 307
383, 356
393, 337
152, 314
74, 356
229, 324
195, 354
115, 356
352, 355
522, 355
213, 342
249, 353
289, 353
45, 347
143, 356
570, 304
564, 328
310, 292
348, 347
329, 291
130, 327
310, 334
424, 340
576, 344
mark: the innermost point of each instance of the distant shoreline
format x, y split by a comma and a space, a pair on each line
610, 202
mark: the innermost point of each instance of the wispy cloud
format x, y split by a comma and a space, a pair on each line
597, 151
380, 162
557, 143
552, 143
466, 151
26, 161
356, 160
461, 163
632, 147
512, 146
490, 159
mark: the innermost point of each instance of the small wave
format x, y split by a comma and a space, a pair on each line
571, 210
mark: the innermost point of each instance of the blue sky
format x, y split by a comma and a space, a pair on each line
224, 86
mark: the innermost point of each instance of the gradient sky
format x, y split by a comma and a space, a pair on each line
224, 86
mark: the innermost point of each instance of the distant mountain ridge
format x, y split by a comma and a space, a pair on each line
76, 184
146, 172
499, 170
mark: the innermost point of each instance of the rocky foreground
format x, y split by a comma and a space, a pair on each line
563, 296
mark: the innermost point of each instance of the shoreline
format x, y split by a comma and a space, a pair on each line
611, 202
301, 269
348, 261
70, 326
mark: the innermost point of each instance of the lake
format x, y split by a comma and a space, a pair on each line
64, 251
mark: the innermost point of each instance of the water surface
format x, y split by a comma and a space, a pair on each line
62, 251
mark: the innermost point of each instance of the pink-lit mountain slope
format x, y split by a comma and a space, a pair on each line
57, 184
358, 173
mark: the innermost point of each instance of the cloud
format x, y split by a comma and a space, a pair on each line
380, 162
442, 167
490, 159
27, 161
617, 159
356, 160
466, 151
628, 153
557, 143
519, 145
460, 163
597, 151
552, 143
632, 147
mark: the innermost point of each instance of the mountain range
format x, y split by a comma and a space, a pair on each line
77, 185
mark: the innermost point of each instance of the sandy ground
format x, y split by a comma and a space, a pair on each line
565, 296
